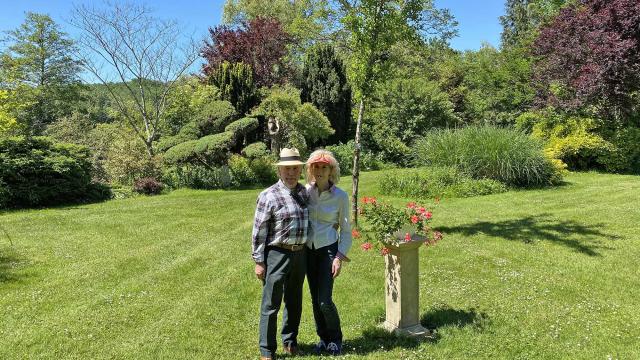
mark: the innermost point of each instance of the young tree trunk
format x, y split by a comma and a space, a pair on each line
356, 165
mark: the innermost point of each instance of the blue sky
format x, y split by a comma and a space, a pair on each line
478, 20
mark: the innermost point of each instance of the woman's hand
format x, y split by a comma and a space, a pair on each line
335, 267
260, 271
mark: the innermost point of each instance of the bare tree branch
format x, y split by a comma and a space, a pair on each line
122, 44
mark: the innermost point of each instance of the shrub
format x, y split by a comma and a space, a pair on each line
402, 111
198, 177
242, 127
437, 181
344, 154
241, 172
120, 156
181, 153
580, 150
187, 133
40, 172
148, 186
210, 150
255, 150
214, 148
573, 139
258, 171
509, 156
214, 116
625, 157
4, 195
264, 170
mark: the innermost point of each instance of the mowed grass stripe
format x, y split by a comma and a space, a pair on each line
548, 273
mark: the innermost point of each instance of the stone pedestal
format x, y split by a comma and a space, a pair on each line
402, 288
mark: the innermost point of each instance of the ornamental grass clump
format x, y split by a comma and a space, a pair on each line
390, 226
483, 152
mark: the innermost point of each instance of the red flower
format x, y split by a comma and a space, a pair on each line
355, 233
369, 200
407, 237
421, 210
415, 219
366, 246
427, 215
411, 205
385, 251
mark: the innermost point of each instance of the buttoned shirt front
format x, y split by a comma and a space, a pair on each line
327, 209
281, 217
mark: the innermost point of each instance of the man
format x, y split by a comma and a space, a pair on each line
279, 251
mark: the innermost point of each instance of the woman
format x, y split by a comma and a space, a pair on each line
329, 241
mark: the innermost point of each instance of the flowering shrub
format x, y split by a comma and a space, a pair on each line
391, 225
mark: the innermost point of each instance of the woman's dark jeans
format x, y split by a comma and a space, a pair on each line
320, 280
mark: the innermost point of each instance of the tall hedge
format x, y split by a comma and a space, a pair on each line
39, 172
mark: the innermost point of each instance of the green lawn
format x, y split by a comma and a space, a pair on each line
527, 274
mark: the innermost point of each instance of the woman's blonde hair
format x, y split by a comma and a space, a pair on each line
334, 177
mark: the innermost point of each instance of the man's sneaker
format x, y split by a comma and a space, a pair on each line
320, 347
334, 348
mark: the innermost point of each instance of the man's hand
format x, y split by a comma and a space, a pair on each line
260, 271
335, 267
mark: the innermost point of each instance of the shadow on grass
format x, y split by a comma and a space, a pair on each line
444, 316
585, 239
376, 339
9, 263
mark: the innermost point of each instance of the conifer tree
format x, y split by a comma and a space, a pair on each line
324, 84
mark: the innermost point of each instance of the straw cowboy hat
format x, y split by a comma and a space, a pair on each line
289, 157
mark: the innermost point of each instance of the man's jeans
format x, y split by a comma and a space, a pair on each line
320, 280
284, 278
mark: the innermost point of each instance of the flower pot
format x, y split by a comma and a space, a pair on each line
401, 286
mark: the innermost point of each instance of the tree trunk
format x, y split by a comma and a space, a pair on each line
149, 145
356, 165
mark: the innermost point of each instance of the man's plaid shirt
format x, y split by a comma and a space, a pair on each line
279, 218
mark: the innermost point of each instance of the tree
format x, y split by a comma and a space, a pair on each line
324, 84
307, 21
404, 110
522, 19
11, 109
373, 27
590, 55
125, 45
260, 43
497, 84
38, 65
236, 85
297, 124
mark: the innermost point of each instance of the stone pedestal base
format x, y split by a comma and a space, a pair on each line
415, 331
401, 287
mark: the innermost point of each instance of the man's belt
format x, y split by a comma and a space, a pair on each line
294, 247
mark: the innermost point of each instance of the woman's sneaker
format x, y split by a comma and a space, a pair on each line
320, 347
334, 348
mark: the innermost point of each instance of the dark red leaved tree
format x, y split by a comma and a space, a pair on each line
260, 43
591, 49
